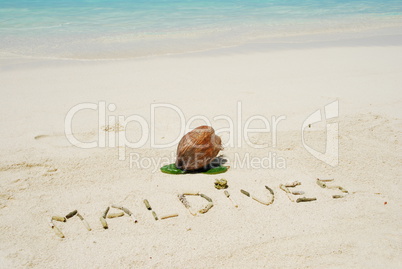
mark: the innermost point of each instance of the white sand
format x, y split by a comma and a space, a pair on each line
355, 232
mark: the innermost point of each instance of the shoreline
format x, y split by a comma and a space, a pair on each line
384, 36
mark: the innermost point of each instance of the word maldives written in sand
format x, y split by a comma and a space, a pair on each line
123, 211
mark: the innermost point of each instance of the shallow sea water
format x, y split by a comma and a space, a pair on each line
105, 29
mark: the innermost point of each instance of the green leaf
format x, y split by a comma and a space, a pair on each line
172, 169
216, 170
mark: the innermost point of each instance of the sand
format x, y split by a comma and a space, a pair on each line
42, 174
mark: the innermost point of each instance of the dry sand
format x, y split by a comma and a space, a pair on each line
42, 175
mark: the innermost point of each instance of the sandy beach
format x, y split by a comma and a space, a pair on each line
43, 175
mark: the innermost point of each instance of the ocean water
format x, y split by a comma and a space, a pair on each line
104, 29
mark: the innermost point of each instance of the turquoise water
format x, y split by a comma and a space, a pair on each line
99, 29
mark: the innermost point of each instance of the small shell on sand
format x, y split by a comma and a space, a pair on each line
292, 184
297, 192
206, 208
71, 214
84, 221
245, 192
321, 184
155, 216
305, 199
147, 205
169, 216
58, 218
105, 212
284, 188
115, 215
104, 223
128, 212
184, 201
206, 197
56, 230
191, 193
230, 198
